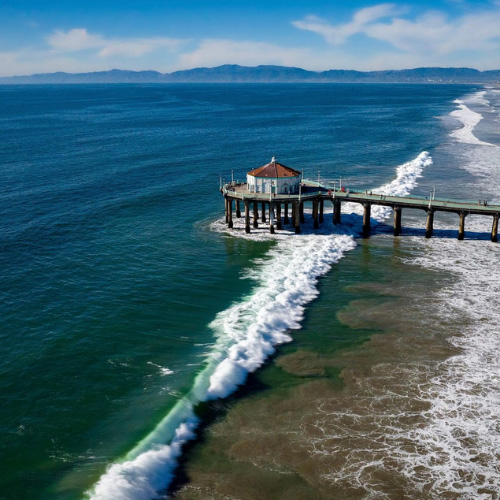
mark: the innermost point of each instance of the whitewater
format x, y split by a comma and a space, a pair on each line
464, 396
246, 334
437, 428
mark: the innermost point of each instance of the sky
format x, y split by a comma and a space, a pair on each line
44, 36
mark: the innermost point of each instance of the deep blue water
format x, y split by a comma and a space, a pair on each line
109, 269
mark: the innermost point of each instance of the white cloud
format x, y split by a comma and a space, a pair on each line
74, 40
337, 35
431, 34
138, 46
435, 33
79, 39
27, 62
394, 40
214, 52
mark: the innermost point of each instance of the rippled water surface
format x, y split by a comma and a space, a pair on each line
125, 302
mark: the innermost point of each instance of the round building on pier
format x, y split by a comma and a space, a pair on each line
274, 178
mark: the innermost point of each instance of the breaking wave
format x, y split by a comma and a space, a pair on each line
246, 334
464, 396
433, 426
469, 120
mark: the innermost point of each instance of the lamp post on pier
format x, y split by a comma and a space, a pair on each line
432, 195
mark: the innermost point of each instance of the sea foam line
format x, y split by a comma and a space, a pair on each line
462, 422
453, 450
469, 120
246, 334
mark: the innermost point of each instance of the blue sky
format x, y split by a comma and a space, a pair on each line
39, 36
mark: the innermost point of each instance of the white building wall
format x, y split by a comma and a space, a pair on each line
283, 185
288, 185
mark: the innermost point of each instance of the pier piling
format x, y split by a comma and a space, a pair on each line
296, 210
366, 219
255, 214
337, 208
315, 214
279, 215
230, 213
397, 221
429, 226
247, 216
461, 227
494, 229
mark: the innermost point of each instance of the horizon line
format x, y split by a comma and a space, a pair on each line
252, 67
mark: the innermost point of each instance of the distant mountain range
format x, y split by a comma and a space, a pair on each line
232, 73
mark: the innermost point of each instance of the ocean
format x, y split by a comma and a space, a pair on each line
149, 352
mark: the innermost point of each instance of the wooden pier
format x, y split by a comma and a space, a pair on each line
289, 208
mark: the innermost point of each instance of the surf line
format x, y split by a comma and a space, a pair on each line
246, 334
469, 119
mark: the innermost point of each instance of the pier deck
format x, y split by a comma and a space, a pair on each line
318, 194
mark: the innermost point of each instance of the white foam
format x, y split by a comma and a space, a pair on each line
405, 181
163, 370
462, 422
484, 165
469, 121
462, 425
147, 474
249, 330
434, 428
478, 98
437, 431
246, 334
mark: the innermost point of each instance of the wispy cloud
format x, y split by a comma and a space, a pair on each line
79, 39
213, 52
27, 62
387, 36
433, 33
74, 40
340, 33
77, 50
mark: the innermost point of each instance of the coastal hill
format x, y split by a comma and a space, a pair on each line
232, 73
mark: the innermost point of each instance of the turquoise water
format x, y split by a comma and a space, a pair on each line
111, 269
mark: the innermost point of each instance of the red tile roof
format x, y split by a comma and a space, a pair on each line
274, 170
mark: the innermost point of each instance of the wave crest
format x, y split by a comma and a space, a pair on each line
247, 333
469, 120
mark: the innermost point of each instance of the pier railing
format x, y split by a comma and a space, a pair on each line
317, 193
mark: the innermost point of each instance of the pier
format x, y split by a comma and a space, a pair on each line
281, 209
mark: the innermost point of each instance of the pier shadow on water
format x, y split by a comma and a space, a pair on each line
450, 234
354, 222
